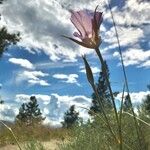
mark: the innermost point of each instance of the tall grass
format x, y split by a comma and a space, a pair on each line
32, 133
96, 136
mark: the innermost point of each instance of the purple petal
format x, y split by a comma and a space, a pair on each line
76, 20
86, 20
99, 18
83, 22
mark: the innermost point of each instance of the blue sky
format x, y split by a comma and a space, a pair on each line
48, 66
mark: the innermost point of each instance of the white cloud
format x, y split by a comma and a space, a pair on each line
136, 97
133, 25
8, 111
33, 77
22, 62
54, 106
0, 85
39, 82
41, 27
135, 57
70, 78
124, 33
95, 70
145, 64
133, 13
23, 98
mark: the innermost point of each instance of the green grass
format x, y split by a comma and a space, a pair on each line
95, 136
33, 145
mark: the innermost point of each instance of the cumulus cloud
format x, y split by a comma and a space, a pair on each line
95, 70
132, 13
32, 77
137, 57
132, 26
136, 97
41, 27
60, 104
70, 78
54, 106
24, 98
145, 64
22, 62
8, 111
39, 82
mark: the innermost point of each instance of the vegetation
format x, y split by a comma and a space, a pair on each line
7, 38
33, 133
109, 129
29, 113
103, 92
71, 118
34, 145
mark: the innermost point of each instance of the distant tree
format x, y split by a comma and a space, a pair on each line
148, 86
146, 103
71, 117
127, 104
29, 113
103, 92
1, 101
6, 38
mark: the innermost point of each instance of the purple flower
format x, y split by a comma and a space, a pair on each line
87, 23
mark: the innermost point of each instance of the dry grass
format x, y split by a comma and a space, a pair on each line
40, 133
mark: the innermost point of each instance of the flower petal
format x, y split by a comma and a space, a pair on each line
99, 18
77, 21
86, 17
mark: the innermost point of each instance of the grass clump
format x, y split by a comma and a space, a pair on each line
33, 145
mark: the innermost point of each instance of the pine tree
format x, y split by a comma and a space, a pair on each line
29, 113
71, 117
146, 103
1, 101
6, 38
127, 104
103, 92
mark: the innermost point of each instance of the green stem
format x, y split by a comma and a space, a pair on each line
103, 111
137, 118
109, 87
125, 76
120, 118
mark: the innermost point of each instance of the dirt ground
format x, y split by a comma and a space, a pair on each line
51, 145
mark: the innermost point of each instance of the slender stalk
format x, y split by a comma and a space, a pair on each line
120, 117
109, 87
105, 124
92, 83
10, 130
125, 76
137, 118
103, 111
